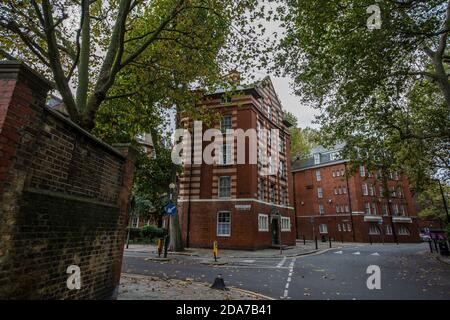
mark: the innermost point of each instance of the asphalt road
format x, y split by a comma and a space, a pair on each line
406, 273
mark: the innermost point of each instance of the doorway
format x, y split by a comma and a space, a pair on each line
275, 230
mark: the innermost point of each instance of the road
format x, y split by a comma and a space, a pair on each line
406, 273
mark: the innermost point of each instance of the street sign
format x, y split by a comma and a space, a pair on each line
170, 209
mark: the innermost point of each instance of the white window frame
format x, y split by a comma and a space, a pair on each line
365, 189
321, 209
223, 123
319, 192
317, 158
402, 229
388, 229
349, 227
318, 176
323, 228
367, 208
339, 227
133, 224
362, 171
228, 223
220, 186
263, 222
225, 155
285, 224
374, 230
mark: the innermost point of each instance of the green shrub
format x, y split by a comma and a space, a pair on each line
151, 231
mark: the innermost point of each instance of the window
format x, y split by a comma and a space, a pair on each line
224, 187
323, 228
395, 209
367, 208
342, 172
272, 193
349, 227
269, 111
225, 155
135, 222
269, 138
400, 192
381, 191
224, 224
283, 196
333, 156
402, 210
342, 209
344, 228
372, 190
339, 227
335, 191
317, 158
285, 224
374, 208
225, 99
259, 131
225, 124
282, 144
321, 209
338, 209
393, 192
403, 231
270, 165
318, 176
334, 174
388, 229
261, 189
365, 191
374, 230
347, 208
362, 171
340, 190
263, 222
344, 190
319, 193
282, 169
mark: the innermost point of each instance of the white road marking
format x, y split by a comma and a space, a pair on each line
338, 252
375, 254
281, 262
248, 261
291, 271
357, 253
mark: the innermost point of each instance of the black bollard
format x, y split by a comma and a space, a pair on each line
304, 240
166, 245
315, 239
431, 247
329, 240
219, 284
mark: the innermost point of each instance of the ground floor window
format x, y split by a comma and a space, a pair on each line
349, 227
374, 230
403, 231
263, 222
388, 229
323, 228
224, 224
135, 222
285, 224
339, 227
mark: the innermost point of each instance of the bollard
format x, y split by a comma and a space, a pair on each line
329, 239
304, 240
370, 239
342, 239
215, 251
160, 246
219, 284
435, 245
431, 247
315, 239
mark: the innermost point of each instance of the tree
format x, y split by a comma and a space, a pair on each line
302, 140
377, 88
86, 45
431, 202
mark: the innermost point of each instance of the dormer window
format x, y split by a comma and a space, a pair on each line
317, 158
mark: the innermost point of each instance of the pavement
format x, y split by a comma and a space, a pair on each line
408, 271
139, 287
291, 251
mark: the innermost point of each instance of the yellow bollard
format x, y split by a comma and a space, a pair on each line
215, 251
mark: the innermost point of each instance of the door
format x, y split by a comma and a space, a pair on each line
275, 230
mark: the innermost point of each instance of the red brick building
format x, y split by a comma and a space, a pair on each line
354, 208
232, 202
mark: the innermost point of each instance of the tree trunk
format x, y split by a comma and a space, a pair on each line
176, 243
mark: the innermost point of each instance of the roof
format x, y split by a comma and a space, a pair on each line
327, 157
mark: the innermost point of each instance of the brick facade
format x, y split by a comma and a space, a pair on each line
64, 197
353, 208
251, 193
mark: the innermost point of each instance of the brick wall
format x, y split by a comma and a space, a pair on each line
63, 197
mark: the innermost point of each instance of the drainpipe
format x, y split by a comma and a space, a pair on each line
349, 202
188, 224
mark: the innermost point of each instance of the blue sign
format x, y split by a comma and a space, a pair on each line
170, 209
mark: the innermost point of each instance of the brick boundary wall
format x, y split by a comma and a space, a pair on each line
63, 197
